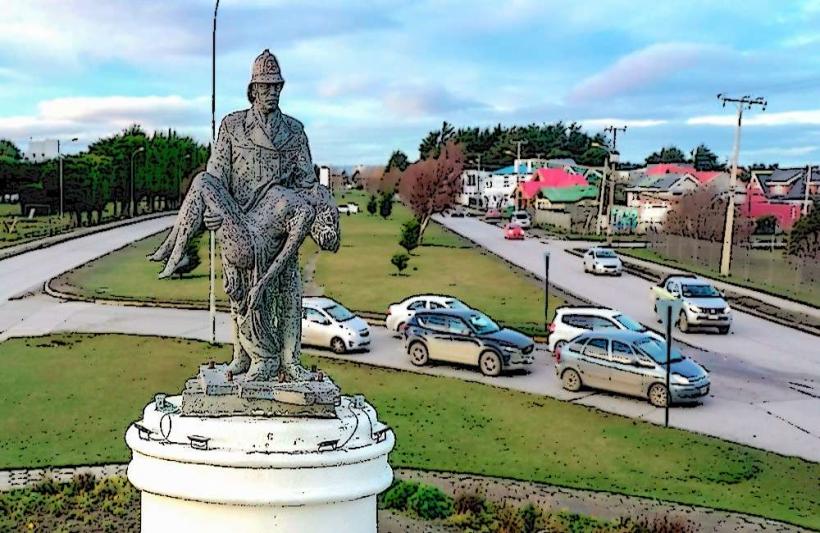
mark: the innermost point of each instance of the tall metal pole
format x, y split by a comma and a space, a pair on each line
668, 360
133, 205
742, 103
613, 160
212, 235
599, 225
546, 291
60, 162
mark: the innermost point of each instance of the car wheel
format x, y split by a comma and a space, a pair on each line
571, 380
338, 345
724, 330
418, 354
658, 395
683, 324
489, 363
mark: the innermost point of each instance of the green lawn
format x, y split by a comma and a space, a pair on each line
360, 275
758, 265
68, 399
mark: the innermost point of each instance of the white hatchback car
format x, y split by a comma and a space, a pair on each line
328, 324
602, 261
569, 322
399, 313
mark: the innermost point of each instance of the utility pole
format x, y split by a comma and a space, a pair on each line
614, 157
60, 161
746, 102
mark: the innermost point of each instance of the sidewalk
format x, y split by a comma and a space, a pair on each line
29, 246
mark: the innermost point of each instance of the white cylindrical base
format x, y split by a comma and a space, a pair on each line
260, 474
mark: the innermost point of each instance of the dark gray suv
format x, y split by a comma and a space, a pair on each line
467, 337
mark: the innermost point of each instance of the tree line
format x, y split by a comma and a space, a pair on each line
101, 176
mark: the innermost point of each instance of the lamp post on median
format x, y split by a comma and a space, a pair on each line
60, 162
133, 206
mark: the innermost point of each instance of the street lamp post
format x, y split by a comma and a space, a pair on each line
60, 162
133, 206
212, 234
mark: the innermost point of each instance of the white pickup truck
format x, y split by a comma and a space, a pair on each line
702, 305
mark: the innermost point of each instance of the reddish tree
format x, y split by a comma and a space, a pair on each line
431, 186
390, 181
701, 214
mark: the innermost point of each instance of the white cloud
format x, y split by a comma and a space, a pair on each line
639, 69
780, 152
631, 123
785, 118
92, 117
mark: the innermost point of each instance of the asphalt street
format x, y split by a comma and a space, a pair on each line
754, 398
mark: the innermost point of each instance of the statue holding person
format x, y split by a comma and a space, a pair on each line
261, 194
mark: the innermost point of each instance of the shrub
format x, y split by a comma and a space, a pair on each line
469, 503
400, 261
410, 232
386, 204
509, 519
372, 205
396, 496
530, 516
430, 503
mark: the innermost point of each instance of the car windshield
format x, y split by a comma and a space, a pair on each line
630, 324
482, 324
455, 304
657, 351
605, 253
699, 291
339, 313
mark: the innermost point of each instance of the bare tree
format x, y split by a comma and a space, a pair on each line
700, 214
431, 186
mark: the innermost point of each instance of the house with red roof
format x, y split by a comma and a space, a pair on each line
781, 193
545, 178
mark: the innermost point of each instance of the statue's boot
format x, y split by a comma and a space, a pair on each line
240, 364
164, 251
262, 369
171, 268
297, 372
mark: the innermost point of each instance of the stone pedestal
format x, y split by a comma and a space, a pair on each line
254, 474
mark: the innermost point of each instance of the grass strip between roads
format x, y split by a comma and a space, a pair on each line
68, 399
359, 275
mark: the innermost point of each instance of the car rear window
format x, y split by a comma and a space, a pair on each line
588, 322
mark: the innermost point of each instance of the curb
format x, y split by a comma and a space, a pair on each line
640, 272
46, 242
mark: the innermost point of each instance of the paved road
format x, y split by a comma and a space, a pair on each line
759, 367
753, 423
28, 270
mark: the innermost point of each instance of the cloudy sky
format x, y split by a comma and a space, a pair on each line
370, 77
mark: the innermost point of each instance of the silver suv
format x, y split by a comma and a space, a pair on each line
630, 363
702, 305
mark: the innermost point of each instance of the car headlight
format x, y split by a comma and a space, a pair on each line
727, 309
694, 308
679, 380
510, 348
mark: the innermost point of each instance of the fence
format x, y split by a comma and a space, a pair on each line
767, 269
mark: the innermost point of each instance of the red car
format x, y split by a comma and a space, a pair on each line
513, 231
492, 214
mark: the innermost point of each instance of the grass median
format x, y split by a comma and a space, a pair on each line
360, 275
68, 399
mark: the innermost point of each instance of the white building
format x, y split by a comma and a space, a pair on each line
324, 176
501, 184
472, 187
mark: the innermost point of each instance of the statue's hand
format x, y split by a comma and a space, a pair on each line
212, 221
